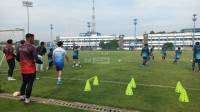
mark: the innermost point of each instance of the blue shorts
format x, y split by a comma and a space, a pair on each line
196, 61
145, 58
75, 57
164, 54
59, 68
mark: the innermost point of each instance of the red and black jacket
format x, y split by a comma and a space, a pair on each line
9, 52
27, 56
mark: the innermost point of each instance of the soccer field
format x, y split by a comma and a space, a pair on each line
156, 82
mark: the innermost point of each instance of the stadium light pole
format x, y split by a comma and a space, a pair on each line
135, 23
27, 4
193, 36
89, 26
90, 33
51, 33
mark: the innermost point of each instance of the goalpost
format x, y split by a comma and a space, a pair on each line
15, 34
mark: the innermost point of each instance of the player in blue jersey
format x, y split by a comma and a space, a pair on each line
59, 55
50, 59
145, 54
196, 56
164, 52
178, 53
152, 53
75, 55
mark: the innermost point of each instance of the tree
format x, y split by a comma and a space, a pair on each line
162, 32
170, 46
112, 45
102, 44
152, 32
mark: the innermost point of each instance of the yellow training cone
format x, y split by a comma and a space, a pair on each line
87, 86
179, 87
183, 96
96, 81
129, 91
133, 84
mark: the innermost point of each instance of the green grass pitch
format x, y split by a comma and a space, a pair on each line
114, 70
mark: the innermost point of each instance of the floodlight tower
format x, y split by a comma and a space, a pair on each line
93, 18
89, 33
51, 33
89, 26
27, 4
135, 23
193, 36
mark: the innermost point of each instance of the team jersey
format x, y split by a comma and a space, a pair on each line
50, 55
9, 52
41, 50
151, 50
145, 52
197, 52
27, 57
75, 51
164, 50
59, 56
178, 54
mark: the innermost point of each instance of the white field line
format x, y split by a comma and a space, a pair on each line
119, 82
124, 83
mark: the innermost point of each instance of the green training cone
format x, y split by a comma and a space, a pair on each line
133, 84
96, 81
179, 87
87, 86
183, 96
129, 91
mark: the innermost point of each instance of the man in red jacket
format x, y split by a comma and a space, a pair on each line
27, 56
10, 57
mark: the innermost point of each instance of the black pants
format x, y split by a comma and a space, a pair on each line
11, 65
27, 84
50, 64
194, 62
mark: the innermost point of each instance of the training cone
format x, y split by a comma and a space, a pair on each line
129, 91
87, 86
183, 96
179, 87
96, 81
133, 84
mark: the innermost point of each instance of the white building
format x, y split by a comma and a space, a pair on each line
93, 41
178, 39
127, 43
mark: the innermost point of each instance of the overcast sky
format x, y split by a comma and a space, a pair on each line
69, 17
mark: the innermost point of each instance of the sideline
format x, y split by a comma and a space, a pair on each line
75, 105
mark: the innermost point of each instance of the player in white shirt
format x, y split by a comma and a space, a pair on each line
59, 55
